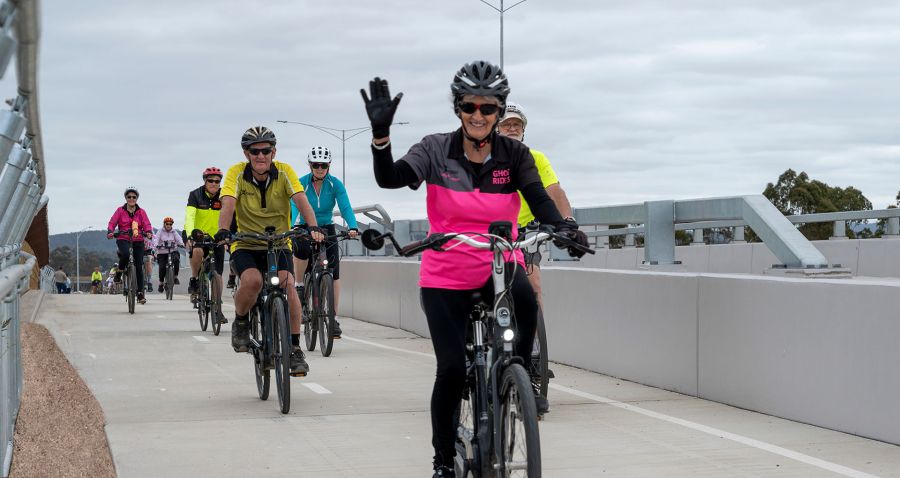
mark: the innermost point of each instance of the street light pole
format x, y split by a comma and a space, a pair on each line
343, 138
502, 10
78, 258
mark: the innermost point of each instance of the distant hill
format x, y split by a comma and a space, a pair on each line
89, 241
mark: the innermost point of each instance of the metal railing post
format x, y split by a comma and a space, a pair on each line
738, 235
659, 233
697, 237
15, 204
28, 213
893, 227
840, 231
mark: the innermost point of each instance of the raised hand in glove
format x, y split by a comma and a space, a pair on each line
570, 231
380, 107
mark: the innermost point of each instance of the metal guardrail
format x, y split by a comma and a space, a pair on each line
22, 185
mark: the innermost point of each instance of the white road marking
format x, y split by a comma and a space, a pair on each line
200, 338
92, 356
388, 347
315, 387
160, 316
760, 445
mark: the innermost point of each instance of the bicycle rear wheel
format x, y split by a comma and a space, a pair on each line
216, 304
132, 285
326, 314
263, 376
538, 368
310, 317
520, 441
203, 302
281, 351
170, 281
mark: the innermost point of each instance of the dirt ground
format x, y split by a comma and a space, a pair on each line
59, 431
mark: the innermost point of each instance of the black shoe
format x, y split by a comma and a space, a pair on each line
443, 472
299, 367
336, 331
140, 298
550, 373
222, 320
149, 287
542, 404
118, 277
231, 284
177, 281
160, 288
240, 335
192, 286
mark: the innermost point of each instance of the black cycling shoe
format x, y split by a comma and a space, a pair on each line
149, 287
240, 335
231, 284
140, 298
222, 320
443, 472
299, 367
550, 373
177, 281
336, 331
542, 404
160, 288
118, 277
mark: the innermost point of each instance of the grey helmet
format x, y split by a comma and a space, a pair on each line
257, 134
479, 78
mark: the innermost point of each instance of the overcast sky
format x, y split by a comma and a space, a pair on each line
631, 100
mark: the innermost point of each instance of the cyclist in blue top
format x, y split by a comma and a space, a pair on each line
323, 191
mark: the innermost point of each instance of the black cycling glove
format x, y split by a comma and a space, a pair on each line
380, 107
569, 229
223, 235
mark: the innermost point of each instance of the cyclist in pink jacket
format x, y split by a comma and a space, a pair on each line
130, 224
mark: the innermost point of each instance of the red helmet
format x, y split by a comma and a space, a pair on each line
212, 171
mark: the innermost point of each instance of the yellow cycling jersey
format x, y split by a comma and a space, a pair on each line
96, 275
548, 178
261, 204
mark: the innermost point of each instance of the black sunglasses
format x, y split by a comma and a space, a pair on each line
487, 109
254, 151
130, 197
216, 181
319, 165
167, 223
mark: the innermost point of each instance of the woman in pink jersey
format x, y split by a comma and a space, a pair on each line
130, 225
472, 177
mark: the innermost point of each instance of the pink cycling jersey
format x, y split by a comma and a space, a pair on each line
122, 220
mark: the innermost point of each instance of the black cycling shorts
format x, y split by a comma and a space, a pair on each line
219, 255
303, 251
243, 259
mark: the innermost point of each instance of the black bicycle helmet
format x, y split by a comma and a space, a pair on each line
257, 134
479, 78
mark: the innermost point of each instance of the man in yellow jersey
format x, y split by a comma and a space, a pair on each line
257, 194
512, 125
201, 217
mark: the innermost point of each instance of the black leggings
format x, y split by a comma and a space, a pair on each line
447, 312
163, 260
138, 260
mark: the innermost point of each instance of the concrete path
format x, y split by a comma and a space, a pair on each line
180, 403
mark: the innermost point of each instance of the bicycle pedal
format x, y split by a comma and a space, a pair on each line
298, 374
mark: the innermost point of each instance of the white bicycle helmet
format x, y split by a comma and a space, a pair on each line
131, 189
319, 154
514, 110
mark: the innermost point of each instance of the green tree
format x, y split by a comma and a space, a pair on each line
798, 194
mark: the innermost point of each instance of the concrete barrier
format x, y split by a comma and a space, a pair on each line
816, 351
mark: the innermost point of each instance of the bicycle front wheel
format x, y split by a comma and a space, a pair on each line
216, 304
263, 377
132, 285
203, 302
310, 317
170, 281
326, 314
281, 351
540, 376
520, 441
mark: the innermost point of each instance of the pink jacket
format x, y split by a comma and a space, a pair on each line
122, 220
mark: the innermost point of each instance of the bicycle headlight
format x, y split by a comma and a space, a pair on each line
508, 335
325, 262
274, 280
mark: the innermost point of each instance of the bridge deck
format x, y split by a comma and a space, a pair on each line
179, 402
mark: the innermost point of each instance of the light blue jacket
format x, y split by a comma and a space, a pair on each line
333, 192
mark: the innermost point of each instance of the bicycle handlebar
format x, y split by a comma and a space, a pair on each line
437, 241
